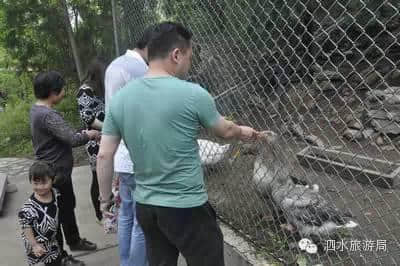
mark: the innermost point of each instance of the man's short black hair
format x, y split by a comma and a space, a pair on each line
146, 37
166, 37
40, 170
47, 82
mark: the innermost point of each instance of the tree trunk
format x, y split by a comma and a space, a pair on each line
114, 14
71, 38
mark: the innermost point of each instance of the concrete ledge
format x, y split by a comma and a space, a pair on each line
238, 252
351, 166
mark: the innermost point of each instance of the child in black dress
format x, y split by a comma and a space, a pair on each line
39, 217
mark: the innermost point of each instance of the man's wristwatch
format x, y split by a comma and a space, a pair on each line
101, 200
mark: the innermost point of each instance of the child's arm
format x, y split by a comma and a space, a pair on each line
37, 248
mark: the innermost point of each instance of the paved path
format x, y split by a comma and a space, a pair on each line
10, 243
11, 248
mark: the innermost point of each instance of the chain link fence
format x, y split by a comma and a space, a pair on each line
323, 75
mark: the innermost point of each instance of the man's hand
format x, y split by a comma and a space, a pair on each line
38, 250
93, 134
268, 135
248, 133
105, 158
105, 206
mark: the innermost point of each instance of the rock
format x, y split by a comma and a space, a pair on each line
387, 148
256, 101
379, 140
353, 134
393, 24
368, 133
331, 189
383, 106
389, 96
386, 126
355, 79
328, 75
316, 68
348, 53
346, 92
288, 227
381, 95
393, 99
325, 85
336, 121
375, 96
314, 140
396, 140
355, 124
337, 147
392, 90
372, 78
383, 115
348, 118
394, 76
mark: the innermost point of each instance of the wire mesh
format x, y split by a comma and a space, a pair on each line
323, 75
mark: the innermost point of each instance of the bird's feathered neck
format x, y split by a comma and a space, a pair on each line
274, 167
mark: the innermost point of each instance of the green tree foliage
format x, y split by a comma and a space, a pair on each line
33, 38
34, 32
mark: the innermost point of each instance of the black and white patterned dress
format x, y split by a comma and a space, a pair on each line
90, 107
43, 218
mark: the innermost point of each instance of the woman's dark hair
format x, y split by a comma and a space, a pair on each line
95, 75
46, 83
145, 38
40, 170
167, 36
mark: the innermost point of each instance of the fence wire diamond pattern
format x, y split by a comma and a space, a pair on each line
323, 75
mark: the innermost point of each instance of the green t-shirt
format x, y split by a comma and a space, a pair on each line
159, 120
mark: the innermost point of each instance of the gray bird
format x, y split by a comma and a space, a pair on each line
306, 211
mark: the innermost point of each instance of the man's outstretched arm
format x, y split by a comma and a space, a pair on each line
105, 165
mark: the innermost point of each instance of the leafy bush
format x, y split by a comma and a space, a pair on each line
15, 136
69, 109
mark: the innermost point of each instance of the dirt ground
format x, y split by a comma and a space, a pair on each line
377, 210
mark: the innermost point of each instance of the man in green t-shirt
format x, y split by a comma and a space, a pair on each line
159, 118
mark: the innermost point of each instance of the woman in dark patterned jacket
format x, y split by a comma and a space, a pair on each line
90, 99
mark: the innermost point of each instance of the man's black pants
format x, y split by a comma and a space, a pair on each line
193, 232
67, 215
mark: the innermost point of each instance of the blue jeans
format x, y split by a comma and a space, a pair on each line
132, 245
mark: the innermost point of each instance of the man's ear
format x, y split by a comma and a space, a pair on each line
51, 95
175, 54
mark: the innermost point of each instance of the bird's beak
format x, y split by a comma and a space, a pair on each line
268, 135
